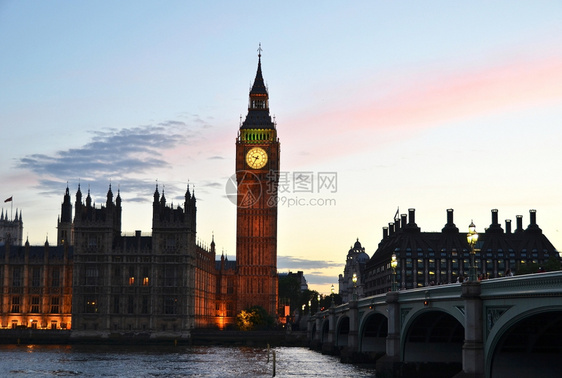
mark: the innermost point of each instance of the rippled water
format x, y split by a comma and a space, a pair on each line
159, 361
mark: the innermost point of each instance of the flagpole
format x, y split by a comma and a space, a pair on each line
12, 208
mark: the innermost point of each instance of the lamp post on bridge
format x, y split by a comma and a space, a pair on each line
472, 238
333, 291
354, 280
394, 264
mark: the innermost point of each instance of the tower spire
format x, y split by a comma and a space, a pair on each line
259, 89
258, 106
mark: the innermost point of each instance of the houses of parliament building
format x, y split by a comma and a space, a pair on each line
97, 282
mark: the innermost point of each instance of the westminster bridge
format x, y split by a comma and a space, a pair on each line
503, 327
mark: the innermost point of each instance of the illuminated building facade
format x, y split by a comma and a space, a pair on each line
36, 286
433, 258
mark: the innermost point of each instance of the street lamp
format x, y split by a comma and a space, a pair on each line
394, 264
354, 280
472, 238
333, 291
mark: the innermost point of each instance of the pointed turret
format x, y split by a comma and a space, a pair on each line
109, 201
88, 199
187, 194
118, 199
156, 194
66, 207
78, 202
163, 198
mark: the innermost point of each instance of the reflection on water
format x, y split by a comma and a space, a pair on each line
169, 361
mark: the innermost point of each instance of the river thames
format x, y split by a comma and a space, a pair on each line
170, 361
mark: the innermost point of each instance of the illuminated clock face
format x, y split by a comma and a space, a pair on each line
256, 158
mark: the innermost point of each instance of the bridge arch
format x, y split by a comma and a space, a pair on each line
342, 331
373, 331
527, 344
433, 327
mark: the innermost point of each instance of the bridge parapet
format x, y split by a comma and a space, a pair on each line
434, 293
546, 283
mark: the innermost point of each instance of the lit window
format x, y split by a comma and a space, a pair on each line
145, 281
34, 304
55, 305
131, 280
15, 304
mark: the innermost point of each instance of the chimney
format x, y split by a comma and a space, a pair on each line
138, 237
412, 215
403, 221
384, 232
519, 223
390, 229
508, 226
495, 217
450, 225
533, 214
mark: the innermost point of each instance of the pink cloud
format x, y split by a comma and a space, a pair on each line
426, 101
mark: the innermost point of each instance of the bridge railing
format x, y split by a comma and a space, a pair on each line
523, 285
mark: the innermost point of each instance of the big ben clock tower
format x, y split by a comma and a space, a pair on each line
257, 168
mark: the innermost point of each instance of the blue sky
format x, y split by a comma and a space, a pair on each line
426, 105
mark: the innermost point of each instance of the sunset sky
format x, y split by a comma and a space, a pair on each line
428, 105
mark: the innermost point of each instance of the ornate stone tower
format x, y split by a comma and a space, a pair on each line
173, 264
96, 232
65, 227
257, 168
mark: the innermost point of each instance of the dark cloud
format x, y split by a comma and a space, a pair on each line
108, 154
294, 263
213, 184
321, 279
172, 123
111, 154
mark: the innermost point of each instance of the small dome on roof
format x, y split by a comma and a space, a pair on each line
363, 257
357, 245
